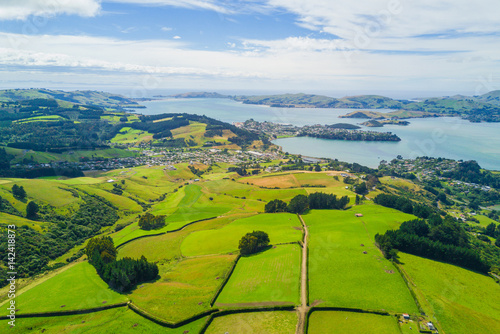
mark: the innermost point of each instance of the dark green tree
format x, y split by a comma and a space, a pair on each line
18, 192
317, 168
361, 189
103, 247
253, 242
151, 222
490, 230
32, 210
275, 205
299, 204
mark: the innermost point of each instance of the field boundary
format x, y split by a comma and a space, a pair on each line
408, 284
169, 324
63, 313
224, 282
244, 310
162, 233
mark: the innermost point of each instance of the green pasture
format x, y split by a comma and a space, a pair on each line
337, 258
6, 219
333, 322
78, 287
281, 227
49, 118
167, 247
113, 321
184, 288
129, 135
121, 202
270, 276
461, 300
484, 221
278, 322
48, 191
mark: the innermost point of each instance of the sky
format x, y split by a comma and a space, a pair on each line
142, 47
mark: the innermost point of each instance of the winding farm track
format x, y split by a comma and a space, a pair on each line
303, 308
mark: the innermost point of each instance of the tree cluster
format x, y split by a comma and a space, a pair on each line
446, 242
151, 222
121, 275
18, 192
405, 205
253, 242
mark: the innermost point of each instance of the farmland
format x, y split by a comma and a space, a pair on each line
352, 323
115, 320
197, 248
282, 228
270, 276
184, 288
279, 322
342, 254
461, 300
79, 287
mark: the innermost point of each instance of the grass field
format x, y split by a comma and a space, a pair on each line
128, 135
181, 208
167, 247
184, 289
281, 227
6, 219
279, 322
121, 202
341, 274
484, 221
79, 287
461, 300
48, 191
331, 322
270, 276
113, 321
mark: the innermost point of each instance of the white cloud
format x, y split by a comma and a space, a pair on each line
193, 4
393, 18
21, 9
166, 29
177, 37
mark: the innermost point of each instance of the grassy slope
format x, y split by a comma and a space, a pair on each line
78, 287
325, 322
279, 322
114, 321
6, 219
270, 276
280, 228
184, 289
461, 300
341, 274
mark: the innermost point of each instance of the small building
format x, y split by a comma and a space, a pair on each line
406, 316
358, 215
196, 180
431, 326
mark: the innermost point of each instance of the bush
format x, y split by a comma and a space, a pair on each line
151, 222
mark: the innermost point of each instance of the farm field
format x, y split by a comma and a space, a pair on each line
278, 322
118, 320
332, 322
269, 276
461, 300
6, 219
168, 246
184, 288
78, 287
342, 254
281, 227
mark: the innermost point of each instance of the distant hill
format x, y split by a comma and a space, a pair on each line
199, 95
85, 97
475, 109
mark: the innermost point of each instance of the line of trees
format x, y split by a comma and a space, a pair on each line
121, 275
446, 242
300, 203
405, 205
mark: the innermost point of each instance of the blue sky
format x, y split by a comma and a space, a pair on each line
141, 46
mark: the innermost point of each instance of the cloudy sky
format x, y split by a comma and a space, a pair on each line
359, 46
